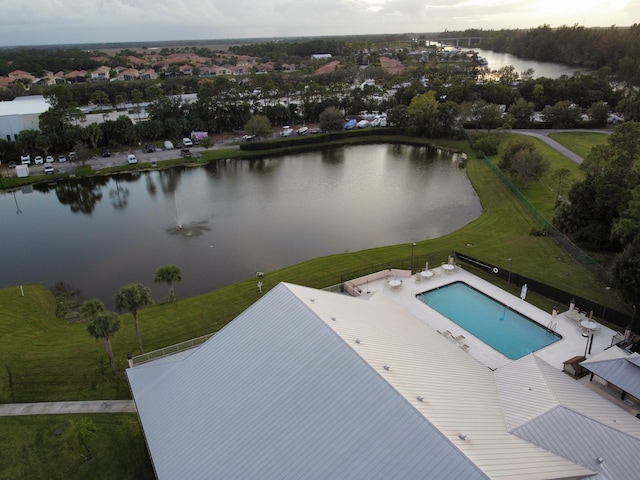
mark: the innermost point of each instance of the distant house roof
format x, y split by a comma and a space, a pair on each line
20, 74
329, 67
390, 65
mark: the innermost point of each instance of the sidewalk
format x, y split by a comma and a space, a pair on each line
55, 408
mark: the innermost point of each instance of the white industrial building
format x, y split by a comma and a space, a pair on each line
311, 384
21, 113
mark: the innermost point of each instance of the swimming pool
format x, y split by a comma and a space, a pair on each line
500, 327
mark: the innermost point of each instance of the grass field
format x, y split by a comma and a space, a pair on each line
44, 358
580, 142
34, 448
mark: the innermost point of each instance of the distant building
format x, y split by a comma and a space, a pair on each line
101, 74
320, 56
20, 114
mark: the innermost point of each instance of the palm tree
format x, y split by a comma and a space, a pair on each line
168, 274
103, 326
133, 297
91, 309
79, 431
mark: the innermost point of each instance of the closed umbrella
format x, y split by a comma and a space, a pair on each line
523, 292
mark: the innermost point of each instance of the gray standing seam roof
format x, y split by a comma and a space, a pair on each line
278, 394
584, 441
624, 373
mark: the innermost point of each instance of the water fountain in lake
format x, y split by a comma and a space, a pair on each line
185, 228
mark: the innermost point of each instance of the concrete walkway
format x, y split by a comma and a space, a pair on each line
544, 136
55, 408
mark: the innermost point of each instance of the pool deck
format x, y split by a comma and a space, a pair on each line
572, 342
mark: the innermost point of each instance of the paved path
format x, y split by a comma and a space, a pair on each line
55, 408
544, 136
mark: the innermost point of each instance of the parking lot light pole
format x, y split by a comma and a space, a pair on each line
413, 245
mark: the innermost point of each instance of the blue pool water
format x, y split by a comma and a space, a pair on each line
503, 329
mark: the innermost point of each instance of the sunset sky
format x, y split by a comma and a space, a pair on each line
41, 22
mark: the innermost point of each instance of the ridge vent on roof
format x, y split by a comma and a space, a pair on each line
387, 367
420, 398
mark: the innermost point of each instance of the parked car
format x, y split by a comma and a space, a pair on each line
62, 158
248, 138
287, 131
168, 145
11, 164
49, 159
149, 148
132, 158
302, 130
185, 152
48, 169
72, 156
187, 142
106, 152
25, 159
38, 159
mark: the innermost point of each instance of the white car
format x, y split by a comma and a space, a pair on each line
38, 159
25, 159
131, 158
49, 159
62, 158
48, 169
186, 142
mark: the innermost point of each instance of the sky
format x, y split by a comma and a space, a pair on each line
46, 22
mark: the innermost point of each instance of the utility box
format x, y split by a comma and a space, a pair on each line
22, 170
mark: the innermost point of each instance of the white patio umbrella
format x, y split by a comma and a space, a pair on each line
523, 292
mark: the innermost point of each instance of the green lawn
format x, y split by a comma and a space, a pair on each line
580, 142
30, 449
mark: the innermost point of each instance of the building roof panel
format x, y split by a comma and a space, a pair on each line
277, 394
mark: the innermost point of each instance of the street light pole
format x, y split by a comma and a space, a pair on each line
509, 277
413, 245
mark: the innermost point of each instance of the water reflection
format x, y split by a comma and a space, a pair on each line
119, 196
332, 156
81, 196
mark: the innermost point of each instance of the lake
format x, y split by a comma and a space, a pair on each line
497, 60
225, 221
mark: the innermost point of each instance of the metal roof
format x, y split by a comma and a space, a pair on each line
30, 105
622, 372
277, 394
598, 447
459, 394
377, 394
530, 387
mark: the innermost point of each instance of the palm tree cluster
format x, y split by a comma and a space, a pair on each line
103, 325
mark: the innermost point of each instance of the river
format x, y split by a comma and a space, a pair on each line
224, 222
